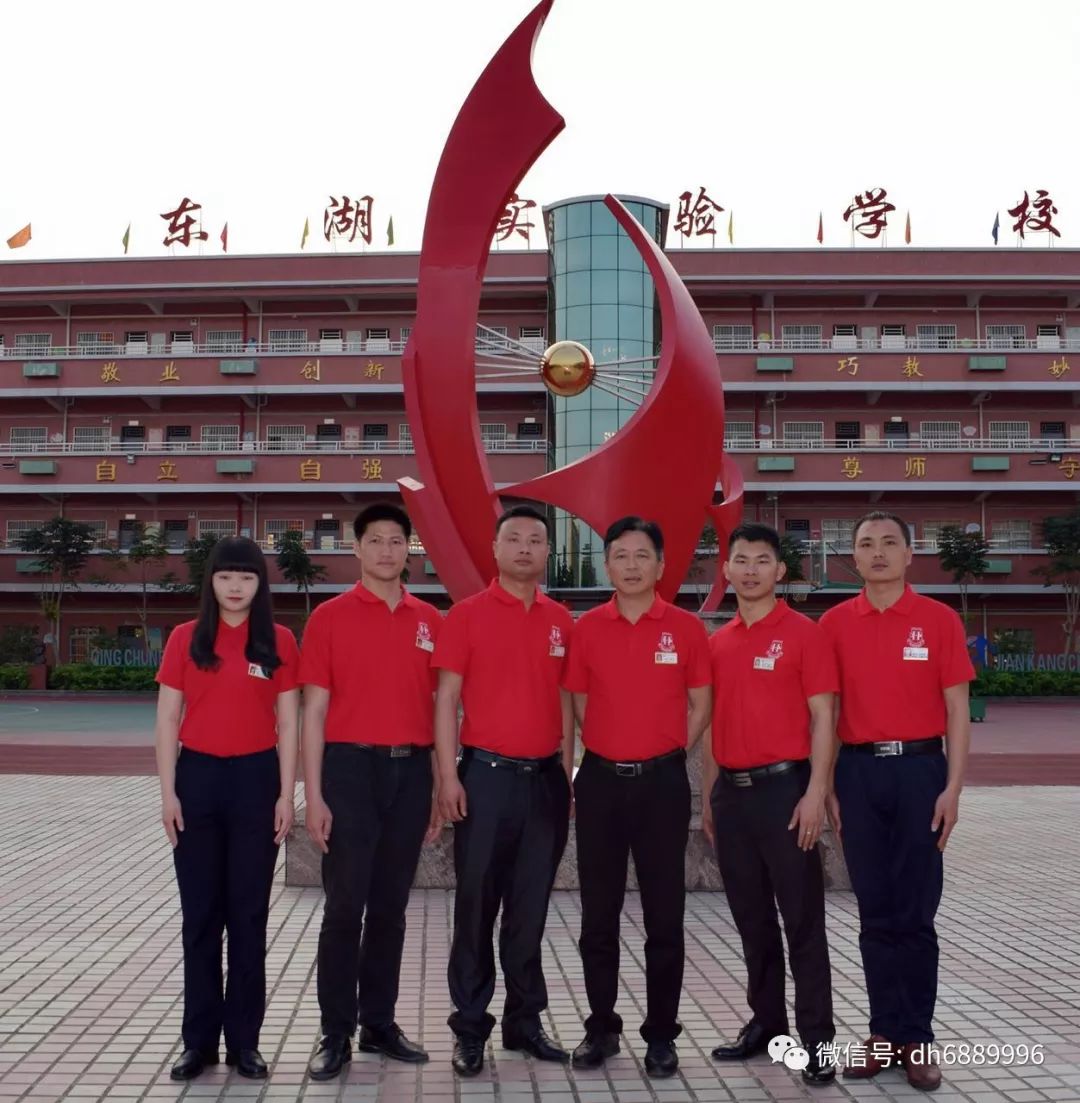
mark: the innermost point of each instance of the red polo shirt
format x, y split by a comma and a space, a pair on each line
376, 663
894, 665
511, 661
228, 711
636, 677
763, 675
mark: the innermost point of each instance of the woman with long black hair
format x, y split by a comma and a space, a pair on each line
228, 696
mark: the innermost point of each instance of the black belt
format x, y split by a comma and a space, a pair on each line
895, 747
744, 779
518, 765
634, 769
396, 750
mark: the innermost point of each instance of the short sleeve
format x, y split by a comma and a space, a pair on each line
819, 674
174, 659
575, 678
289, 653
956, 667
452, 645
699, 661
314, 666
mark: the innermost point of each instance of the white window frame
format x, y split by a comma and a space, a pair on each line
838, 533
738, 434
932, 529
16, 529
223, 340
274, 527
493, 343
285, 438
1012, 434
493, 436
219, 438
405, 438
725, 336
800, 336
79, 641
90, 438
893, 336
33, 344
936, 336
802, 434
222, 526
89, 343
939, 434
287, 340
1006, 336
1013, 532
28, 438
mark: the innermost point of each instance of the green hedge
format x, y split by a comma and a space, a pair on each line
1032, 683
85, 676
14, 676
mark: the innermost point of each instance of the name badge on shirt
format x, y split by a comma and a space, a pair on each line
257, 671
917, 654
666, 658
764, 662
556, 651
425, 644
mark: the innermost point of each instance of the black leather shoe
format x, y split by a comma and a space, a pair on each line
331, 1056
468, 1058
595, 1050
753, 1039
191, 1062
538, 1045
818, 1071
247, 1062
661, 1059
391, 1041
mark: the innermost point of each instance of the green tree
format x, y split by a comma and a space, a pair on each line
791, 555
963, 555
62, 547
147, 552
297, 566
18, 643
1061, 535
196, 553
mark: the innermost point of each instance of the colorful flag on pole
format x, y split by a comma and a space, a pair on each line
307, 230
126, 239
820, 229
731, 227
390, 231
225, 238
17, 241
907, 230
997, 226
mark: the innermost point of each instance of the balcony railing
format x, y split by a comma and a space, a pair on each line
913, 443
896, 344
217, 448
924, 546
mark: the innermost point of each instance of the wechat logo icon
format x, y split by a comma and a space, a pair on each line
784, 1048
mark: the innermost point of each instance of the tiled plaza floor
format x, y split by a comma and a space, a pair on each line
90, 969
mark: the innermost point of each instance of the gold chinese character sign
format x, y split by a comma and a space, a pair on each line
915, 467
372, 469
110, 373
851, 468
169, 374
310, 471
167, 472
105, 472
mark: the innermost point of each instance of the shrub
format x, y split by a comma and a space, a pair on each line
84, 676
14, 676
1031, 683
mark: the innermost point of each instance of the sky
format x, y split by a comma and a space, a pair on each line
115, 110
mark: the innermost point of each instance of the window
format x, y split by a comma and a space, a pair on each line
94, 344
328, 435
940, 433
1048, 337
284, 438
1011, 534
1006, 337
406, 333
16, 530
330, 340
275, 528
533, 337
1052, 431
739, 434
892, 337
29, 438
177, 436
224, 340
896, 432
219, 436
287, 340
837, 534
90, 438
377, 431
848, 431
132, 434
804, 434
32, 344
799, 529
136, 342
844, 337
176, 534
931, 530
405, 438
732, 337
79, 640
493, 435
936, 337
492, 339
329, 334
416, 545
378, 340
218, 526
801, 337
530, 430
181, 341
327, 532
1011, 433
129, 529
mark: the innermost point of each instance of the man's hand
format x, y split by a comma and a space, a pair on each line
946, 813
318, 820
284, 814
707, 827
808, 819
172, 818
435, 820
453, 807
832, 806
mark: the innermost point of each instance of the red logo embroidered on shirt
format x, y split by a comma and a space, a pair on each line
667, 642
916, 638
423, 632
555, 639
776, 649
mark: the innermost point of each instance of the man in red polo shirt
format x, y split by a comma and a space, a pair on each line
501, 656
904, 673
774, 677
636, 666
367, 738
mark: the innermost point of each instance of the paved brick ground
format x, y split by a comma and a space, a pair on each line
90, 969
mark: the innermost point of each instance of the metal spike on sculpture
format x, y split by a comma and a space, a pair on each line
663, 464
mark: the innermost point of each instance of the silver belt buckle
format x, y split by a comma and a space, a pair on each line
888, 748
743, 779
404, 751
626, 769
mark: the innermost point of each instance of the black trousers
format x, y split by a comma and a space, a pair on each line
896, 869
647, 816
763, 868
380, 807
506, 851
224, 862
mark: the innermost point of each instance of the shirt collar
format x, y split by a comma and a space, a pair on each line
775, 614
504, 596
901, 606
364, 594
654, 612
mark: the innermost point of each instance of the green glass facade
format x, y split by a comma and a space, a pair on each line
602, 295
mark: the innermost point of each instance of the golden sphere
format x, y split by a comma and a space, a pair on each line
567, 369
